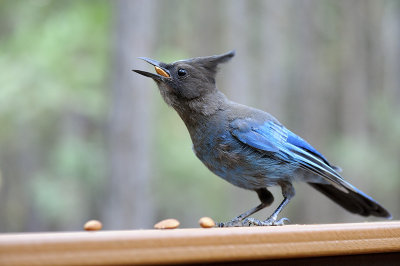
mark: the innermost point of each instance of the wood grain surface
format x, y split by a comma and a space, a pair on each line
198, 245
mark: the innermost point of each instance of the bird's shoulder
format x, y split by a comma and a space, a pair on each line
240, 115
256, 128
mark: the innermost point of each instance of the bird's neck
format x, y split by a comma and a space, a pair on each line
199, 110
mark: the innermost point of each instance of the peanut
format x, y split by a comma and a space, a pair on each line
167, 224
161, 72
92, 225
206, 222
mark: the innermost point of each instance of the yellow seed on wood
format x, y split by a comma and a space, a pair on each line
167, 224
206, 222
161, 72
92, 225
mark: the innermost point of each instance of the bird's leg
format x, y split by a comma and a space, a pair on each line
266, 198
288, 193
272, 220
238, 221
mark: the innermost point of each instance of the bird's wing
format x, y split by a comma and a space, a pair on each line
275, 138
266, 140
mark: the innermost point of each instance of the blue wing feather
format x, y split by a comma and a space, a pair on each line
260, 138
301, 143
255, 140
273, 137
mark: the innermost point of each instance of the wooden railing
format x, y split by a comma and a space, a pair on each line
250, 244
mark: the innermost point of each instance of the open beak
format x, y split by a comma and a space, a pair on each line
162, 72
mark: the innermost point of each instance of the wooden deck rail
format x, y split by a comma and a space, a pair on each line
200, 245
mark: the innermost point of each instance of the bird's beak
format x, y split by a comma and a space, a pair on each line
161, 71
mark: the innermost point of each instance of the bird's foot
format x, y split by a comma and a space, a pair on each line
269, 222
233, 223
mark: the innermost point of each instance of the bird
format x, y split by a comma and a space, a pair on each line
248, 147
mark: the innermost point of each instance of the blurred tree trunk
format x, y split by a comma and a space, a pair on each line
130, 197
391, 93
239, 82
19, 164
391, 51
311, 118
207, 27
271, 60
353, 77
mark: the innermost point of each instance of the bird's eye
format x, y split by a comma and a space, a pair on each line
181, 72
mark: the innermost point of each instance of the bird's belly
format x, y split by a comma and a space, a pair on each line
244, 168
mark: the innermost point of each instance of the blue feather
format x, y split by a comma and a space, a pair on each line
272, 137
301, 143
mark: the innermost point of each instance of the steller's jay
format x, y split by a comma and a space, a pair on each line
248, 147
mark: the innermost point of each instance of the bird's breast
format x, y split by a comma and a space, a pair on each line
230, 160
216, 150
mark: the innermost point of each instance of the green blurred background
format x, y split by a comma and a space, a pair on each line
82, 137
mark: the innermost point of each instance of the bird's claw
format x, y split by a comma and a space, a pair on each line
233, 223
253, 222
269, 222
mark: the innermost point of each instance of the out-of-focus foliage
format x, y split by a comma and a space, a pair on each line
54, 59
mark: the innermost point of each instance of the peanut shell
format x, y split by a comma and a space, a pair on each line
206, 222
167, 224
92, 225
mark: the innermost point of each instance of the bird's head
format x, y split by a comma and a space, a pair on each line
186, 80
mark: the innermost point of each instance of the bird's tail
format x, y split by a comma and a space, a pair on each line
354, 201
